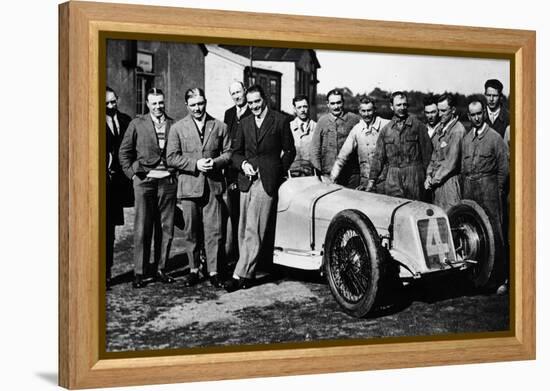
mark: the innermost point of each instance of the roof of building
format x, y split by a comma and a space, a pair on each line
273, 54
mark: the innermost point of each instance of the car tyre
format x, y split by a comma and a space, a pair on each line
474, 240
353, 262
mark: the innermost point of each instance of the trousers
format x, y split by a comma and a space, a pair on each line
203, 220
155, 202
256, 206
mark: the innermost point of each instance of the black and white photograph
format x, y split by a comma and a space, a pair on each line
271, 195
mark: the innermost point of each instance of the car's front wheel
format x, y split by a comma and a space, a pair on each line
353, 262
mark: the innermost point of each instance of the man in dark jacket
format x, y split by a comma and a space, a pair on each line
405, 147
263, 152
497, 116
143, 158
119, 188
232, 118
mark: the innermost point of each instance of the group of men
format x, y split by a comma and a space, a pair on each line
224, 176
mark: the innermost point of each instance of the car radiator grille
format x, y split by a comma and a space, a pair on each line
436, 243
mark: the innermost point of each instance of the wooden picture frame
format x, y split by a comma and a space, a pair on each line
80, 239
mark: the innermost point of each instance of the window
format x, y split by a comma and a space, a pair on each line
143, 84
275, 93
270, 81
302, 82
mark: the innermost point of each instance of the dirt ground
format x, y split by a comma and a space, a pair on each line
292, 306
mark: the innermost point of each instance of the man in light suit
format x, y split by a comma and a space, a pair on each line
119, 188
232, 118
263, 152
142, 156
199, 147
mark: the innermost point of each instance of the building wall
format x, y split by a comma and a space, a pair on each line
219, 74
306, 64
120, 78
177, 67
288, 84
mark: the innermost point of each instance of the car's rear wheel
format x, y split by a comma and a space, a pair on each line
474, 240
353, 262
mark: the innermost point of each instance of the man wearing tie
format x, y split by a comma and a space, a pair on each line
199, 147
119, 188
232, 118
263, 151
143, 158
484, 170
302, 130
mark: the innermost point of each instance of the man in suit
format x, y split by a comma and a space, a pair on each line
497, 116
143, 158
199, 147
232, 118
263, 151
119, 188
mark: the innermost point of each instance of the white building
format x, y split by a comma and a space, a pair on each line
283, 73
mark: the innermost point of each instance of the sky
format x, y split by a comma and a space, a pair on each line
362, 72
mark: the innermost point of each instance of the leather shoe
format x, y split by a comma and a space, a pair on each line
215, 281
191, 279
163, 277
235, 284
138, 282
503, 289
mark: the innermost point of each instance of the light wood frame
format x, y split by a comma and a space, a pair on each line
80, 364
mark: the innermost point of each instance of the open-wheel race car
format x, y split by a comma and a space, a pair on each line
358, 238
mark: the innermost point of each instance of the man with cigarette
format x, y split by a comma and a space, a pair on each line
263, 151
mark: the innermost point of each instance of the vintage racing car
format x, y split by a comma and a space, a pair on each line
357, 238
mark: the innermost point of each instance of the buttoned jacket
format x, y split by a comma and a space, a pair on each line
362, 138
185, 148
485, 155
269, 149
447, 143
140, 151
406, 147
330, 134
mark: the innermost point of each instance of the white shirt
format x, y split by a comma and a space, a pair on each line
241, 110
110, 121
260, 119
493, 115
200, 123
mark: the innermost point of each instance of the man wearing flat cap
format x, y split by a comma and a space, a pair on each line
497, 117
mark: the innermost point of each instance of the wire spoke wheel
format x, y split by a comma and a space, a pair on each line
348, 263
352, 261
